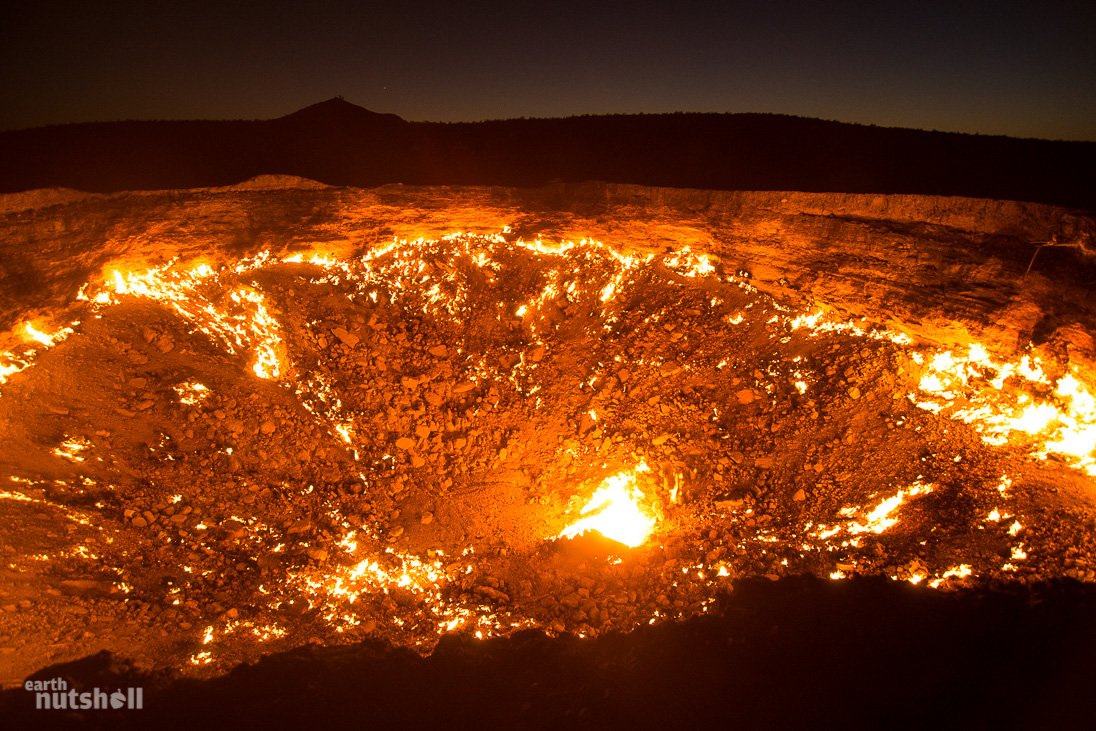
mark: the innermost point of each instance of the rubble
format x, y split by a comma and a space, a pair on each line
386, 449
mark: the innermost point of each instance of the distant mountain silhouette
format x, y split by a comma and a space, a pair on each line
341, 113
339, 143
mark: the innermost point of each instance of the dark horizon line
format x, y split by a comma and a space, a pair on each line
339, 143
539, 118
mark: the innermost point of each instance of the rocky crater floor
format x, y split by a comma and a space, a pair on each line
243, 420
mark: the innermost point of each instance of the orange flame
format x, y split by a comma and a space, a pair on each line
616, 511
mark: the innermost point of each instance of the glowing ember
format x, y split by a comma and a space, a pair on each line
202, 658
961, 571
6, 495
71, 449
616, 511
191, 392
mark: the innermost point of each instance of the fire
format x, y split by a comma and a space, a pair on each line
243, 322
191, 392
33, 333
961, 571
10, 366
12, 363
817, 323
616, 511
367, 585
879, 519
1002, 399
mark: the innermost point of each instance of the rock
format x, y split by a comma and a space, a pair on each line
317, 554
536, 355
660, 440
669, 368
85, 584
438, 351
854, 393
463, 387
405, 443
417, 461
585, 424
493, 594
269, 561
348, 338
234, 528
746, 396
396, 532
799, 495
427, 518
729, 504
300, 526
268, 427
139, 522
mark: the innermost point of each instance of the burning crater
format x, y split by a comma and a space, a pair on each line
236, 450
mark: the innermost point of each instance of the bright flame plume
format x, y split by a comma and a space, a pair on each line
616, 511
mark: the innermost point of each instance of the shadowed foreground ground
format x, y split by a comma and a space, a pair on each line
787, 654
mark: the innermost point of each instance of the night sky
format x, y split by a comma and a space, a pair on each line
1022, 69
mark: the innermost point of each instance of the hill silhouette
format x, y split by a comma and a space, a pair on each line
339, 143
